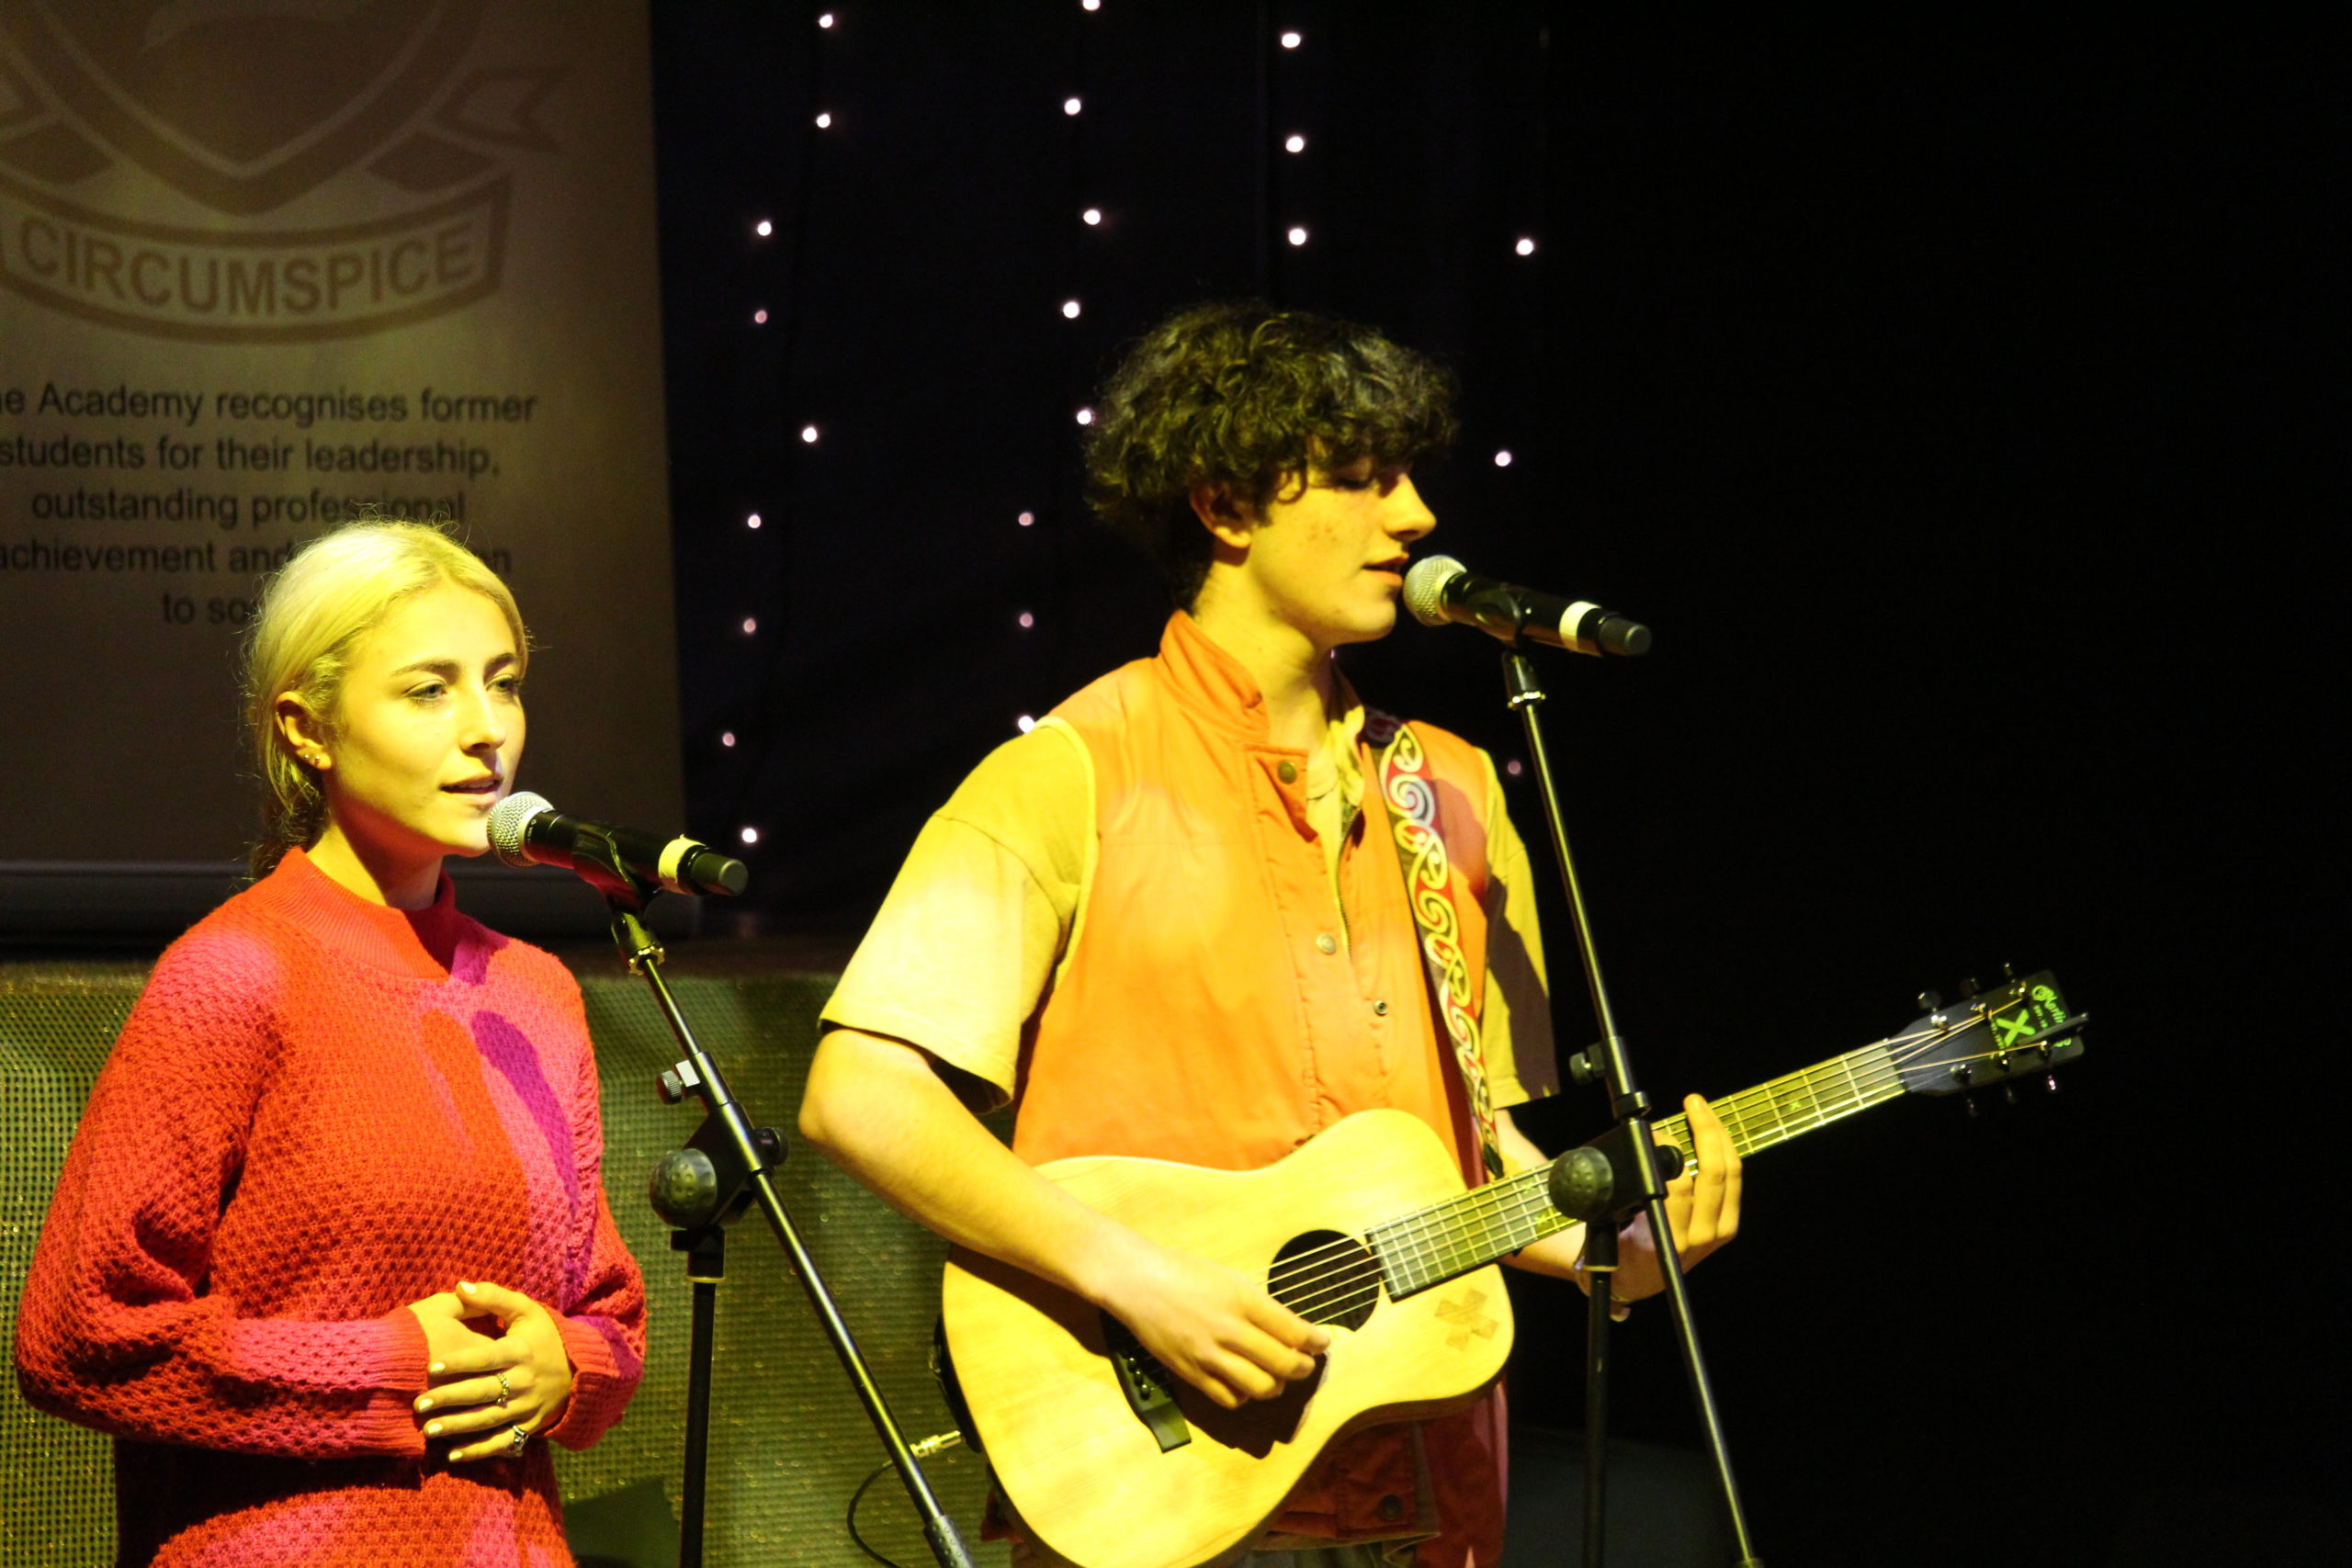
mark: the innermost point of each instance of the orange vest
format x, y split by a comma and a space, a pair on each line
1211, 1009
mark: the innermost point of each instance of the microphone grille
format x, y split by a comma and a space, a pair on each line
508, 819
1425, 587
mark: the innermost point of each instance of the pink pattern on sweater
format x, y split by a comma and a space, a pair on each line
320, 1111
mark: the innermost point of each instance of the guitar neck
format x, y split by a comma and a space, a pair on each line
1434, 1244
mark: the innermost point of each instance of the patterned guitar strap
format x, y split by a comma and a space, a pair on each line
1410, 796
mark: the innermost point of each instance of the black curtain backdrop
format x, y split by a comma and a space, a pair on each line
1948, 395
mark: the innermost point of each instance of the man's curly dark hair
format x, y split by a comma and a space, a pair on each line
1243, 394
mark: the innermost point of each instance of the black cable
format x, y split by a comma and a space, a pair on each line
850, 1519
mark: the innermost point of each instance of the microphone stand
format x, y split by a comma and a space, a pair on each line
1633, 1152
723, 1170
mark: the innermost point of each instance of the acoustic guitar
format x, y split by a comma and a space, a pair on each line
1114, 1462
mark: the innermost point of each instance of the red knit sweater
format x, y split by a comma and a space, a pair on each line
319, 1110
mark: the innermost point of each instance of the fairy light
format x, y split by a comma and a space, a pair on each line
753, 521
1525, 247
1090, 4
1090, 217
760, 318
1069, 308
826, 21
1291, 40
751, 835
1086, 416
750, 625
1027, 518
1502, 459
808, 433
726, 739
763, 228
825, 121
1027, 620
1071, 105
1514, 767
1024, 724
1293, 142
1297, 235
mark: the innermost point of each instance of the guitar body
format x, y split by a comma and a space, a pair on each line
1082, 1468
1372, 1206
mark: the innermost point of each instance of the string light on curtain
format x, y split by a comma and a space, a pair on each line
1525, 247
1027, 518
1297, 235
1293, 142
1070, 105
763, 228
1293, 39
1502, 459
825, 121
1086, 416
1070, 310
752, 522
808, 433
1092, 217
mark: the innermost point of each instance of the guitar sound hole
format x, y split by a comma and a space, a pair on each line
1326, 1278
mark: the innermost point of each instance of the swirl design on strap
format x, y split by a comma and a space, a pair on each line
1411, 794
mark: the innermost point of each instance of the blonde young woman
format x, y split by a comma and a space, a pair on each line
330, 1258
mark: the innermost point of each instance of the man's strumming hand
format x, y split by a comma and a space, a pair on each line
1209, 1325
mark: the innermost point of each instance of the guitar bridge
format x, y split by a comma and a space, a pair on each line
1150, 1387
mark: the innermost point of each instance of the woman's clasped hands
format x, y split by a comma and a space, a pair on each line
487, 1387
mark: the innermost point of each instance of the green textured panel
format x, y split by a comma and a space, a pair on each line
56, 1480
790, 1441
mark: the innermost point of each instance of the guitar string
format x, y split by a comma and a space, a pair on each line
1474, 1212
1476, 1226
1474, 1216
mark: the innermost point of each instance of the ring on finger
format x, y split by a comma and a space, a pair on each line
505, 1394
522, 1436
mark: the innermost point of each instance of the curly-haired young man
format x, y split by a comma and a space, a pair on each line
1172, 921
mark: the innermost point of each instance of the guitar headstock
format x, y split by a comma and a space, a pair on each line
2016, 1028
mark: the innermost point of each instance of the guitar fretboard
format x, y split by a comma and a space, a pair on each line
1434, 1244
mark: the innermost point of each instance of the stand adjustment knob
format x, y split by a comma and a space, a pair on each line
676, 1083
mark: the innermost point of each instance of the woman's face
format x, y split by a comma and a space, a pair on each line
427, 734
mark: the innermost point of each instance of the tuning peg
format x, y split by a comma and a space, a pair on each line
2009, 970
1930, 1001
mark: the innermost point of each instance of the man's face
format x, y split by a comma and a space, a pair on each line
1328, 557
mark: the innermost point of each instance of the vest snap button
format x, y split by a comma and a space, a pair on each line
1381, 1008
1288, 772
1392, 1507
1327, 943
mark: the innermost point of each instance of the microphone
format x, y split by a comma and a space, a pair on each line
526, 831
1440, 589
